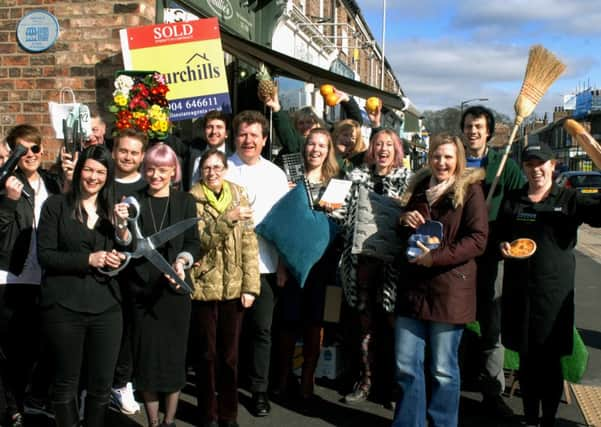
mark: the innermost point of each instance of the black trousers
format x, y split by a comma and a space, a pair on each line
541, 384
75, 337
125, 362
22, 341
8, 404
258, 321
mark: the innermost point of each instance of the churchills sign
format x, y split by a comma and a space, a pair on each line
190, 56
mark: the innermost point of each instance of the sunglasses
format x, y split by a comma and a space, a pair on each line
35, 149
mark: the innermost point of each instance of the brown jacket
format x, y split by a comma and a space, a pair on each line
446, 291
230, 265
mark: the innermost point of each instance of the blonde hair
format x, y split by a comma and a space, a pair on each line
344, 126
446, 138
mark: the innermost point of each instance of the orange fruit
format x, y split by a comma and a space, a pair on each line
372, 104
326, 90
332, 100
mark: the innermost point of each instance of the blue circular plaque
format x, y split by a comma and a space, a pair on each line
37, 31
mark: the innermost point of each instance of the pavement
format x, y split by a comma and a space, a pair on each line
589, 242
329, 410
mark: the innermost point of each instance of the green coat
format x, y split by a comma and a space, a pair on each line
510, 179
230, 264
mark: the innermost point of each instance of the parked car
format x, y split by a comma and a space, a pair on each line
584, 182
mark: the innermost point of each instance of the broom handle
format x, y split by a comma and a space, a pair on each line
495, 181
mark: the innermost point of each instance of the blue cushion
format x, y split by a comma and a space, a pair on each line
300, 234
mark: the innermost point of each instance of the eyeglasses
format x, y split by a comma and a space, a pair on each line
216, 169
35, 149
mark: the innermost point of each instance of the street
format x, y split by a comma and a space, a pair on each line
328, 410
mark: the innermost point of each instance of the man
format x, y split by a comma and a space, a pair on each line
21, 201
265, 184
128, 153
478, 126
98, 127
215, 136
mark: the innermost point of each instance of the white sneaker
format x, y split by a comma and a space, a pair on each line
123, 399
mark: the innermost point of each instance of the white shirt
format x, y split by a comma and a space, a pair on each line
265, 184
32, 271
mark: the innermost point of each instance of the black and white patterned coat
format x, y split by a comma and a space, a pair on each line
394, 184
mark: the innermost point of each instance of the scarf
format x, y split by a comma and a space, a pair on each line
438, 189
225, 198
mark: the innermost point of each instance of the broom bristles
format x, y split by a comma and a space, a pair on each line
542, 70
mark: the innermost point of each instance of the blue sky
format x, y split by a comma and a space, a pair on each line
444, 52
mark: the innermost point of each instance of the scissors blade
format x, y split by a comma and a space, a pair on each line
157, 239
161, 263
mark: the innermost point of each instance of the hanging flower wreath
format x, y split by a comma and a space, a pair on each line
141, 103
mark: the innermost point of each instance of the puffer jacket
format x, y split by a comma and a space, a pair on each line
446, 291
230, 265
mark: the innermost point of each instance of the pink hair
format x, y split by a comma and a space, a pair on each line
162, 155
370, 157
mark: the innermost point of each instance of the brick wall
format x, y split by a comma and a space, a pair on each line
84, 58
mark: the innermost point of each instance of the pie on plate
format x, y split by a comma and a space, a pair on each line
522, 248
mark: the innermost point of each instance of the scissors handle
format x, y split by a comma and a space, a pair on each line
114, 271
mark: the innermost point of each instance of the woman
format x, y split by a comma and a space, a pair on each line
538, 292
161, 312
226, 281
300, 310
366, 280
349, 144
82, 313
293, 134
437, 295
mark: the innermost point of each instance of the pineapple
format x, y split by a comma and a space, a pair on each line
266, 88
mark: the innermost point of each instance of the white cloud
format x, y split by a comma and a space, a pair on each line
445, 72
575, 17
474, 49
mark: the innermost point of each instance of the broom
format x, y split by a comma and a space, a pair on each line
542, 70
585, 140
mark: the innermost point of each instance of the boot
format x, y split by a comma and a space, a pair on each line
311, 349
66, 414
286, 345
94, 412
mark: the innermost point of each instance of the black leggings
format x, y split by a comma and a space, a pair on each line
74, 337
541, 384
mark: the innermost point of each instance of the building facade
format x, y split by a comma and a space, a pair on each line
313, 41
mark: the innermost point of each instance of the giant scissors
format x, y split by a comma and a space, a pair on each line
146, 246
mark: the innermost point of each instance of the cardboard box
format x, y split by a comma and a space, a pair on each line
333, 301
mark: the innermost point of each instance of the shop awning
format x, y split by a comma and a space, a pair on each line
285, 65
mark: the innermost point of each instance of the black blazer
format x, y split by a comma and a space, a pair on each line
16, 222
64, 246
145, 277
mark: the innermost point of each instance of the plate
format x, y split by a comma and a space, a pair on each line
522, 248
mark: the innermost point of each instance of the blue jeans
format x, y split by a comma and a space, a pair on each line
411, 336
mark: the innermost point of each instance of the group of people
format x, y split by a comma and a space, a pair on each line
99, 319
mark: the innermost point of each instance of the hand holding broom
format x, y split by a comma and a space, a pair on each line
542, 70
585, 140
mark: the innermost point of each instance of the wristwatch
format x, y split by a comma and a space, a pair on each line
122, 225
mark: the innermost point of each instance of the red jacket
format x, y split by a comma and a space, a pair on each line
446, 291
